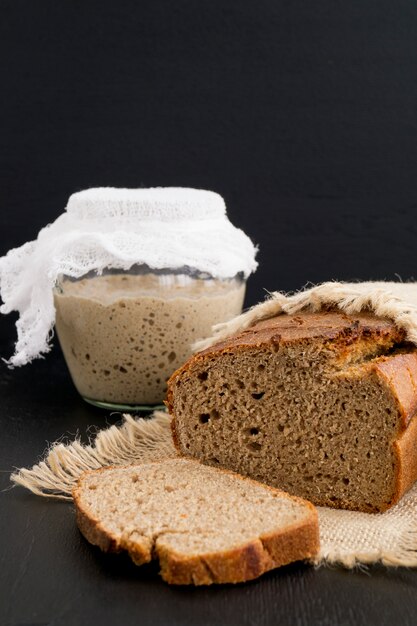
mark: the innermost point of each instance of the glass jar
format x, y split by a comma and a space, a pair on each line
123, 333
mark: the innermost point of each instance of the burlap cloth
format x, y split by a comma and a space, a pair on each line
347, 538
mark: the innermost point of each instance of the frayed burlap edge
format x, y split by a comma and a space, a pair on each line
396, 301
347, 538
135, 441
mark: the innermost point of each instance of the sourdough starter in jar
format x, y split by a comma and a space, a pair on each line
123, 335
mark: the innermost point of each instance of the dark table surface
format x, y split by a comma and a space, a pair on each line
50, 575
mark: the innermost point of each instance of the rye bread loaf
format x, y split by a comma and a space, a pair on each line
205, 525
320, 405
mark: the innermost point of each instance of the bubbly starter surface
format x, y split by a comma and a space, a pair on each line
123, 335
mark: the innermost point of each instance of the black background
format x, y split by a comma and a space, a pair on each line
303, 115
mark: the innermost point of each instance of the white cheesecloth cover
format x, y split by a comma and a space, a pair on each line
161, 227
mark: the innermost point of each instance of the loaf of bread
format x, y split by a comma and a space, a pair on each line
205, 525
320, 405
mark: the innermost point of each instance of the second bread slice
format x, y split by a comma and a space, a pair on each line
205, 525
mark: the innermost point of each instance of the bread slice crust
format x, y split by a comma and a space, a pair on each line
251, 559
363, 345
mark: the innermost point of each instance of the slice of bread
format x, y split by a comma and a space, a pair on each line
205, 525
321, 405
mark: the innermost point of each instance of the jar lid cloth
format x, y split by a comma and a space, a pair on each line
161, 227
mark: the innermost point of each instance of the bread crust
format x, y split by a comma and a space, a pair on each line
329, 325
405, 447
397, 372
246, 562
298, 541
290, 329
